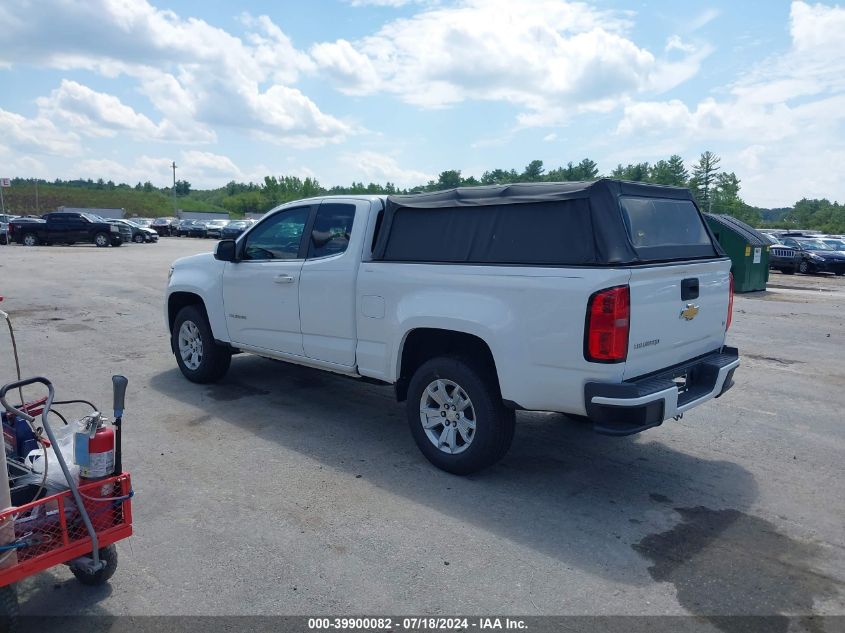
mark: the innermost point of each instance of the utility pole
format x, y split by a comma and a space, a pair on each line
37, 211
173, 165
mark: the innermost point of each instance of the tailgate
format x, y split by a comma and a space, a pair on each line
667, 329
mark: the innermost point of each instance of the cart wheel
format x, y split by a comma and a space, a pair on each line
8, 608
107, 555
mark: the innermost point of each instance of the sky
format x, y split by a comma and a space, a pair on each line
399, 90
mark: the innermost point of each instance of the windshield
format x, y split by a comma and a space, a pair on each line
814, 245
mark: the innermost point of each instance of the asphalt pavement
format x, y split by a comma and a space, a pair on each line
285, 490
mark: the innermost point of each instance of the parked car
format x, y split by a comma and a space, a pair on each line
5, 218
183, 227
783, 258
142, 222
162, 226
214, 228
235, 228
191, 228
836, 243
816, 256
607, 300
137, 233
64, 228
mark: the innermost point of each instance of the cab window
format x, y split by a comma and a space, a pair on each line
278, 237
332, 228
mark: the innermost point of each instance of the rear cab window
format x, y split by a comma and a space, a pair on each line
332, 229
666, 229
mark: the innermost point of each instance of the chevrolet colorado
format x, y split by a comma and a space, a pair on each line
607, 300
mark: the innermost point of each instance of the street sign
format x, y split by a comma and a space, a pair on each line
5, 182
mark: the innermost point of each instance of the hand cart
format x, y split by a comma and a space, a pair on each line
77, 526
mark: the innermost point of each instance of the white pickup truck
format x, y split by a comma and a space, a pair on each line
608, 300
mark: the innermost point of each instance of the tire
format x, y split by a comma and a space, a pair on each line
788, 271
138, 239
107, 555
102, 240
493, 422
9, 609
29, 239
204, 361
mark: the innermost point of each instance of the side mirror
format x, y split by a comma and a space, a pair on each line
226, 251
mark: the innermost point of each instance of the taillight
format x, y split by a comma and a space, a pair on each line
608, 322
730, 305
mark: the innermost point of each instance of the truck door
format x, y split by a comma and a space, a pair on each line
261, 290
58, 228
327, 290
78, 229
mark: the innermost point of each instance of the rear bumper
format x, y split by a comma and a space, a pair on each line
636, 405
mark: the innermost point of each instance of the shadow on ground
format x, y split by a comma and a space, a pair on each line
588, 500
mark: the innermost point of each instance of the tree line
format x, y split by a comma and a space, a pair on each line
715, 190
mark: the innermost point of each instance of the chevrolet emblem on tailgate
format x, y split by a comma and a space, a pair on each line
689, 312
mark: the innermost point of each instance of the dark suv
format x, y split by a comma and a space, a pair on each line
783, 258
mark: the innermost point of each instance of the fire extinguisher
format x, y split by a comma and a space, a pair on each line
97, 449
100, 454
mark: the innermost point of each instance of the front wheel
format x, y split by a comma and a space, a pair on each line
199, 357
101, 240
804, 267
456, 415
138, 239
109, 556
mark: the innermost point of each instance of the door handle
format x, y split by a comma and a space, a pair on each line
283, 279
689, 289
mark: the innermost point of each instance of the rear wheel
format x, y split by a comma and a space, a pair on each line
30, 239
200, 359
101, 240
456, 415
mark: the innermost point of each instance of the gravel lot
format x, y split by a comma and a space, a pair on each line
285, 490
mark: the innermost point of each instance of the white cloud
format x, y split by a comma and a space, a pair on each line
675, 43
39, 135
93, 113
372, 166
197, 75
782, 118
201, 169
547, 57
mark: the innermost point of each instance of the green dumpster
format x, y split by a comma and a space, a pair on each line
748, 250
